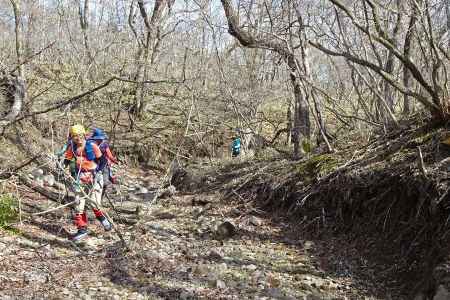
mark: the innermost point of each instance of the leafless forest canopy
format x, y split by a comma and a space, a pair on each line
342, 106
290, 74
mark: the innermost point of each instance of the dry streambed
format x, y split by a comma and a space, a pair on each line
184, 247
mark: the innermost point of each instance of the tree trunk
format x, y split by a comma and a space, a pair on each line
447, 9
389, 68
407, 53
83, 11
141, 77
296, 126
301, 120
17, 86
152, 27
289, 125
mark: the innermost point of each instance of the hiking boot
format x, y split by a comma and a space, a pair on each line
105, 223
81, 233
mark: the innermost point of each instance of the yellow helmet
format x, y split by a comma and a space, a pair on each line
77, 130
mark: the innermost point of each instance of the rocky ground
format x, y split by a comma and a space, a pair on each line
183, 247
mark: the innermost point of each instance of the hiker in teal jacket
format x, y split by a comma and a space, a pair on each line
236, 146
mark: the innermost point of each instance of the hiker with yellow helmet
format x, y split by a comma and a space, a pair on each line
84, 155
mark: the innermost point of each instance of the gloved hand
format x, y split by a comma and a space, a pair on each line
76, 200
60, 153
76, 186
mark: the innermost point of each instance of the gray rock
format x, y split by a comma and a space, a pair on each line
201, 270
168, 192
49, 180
274, 293
215, 254
308, 245
251, 267
314, 297
220, 284
86, 297
199, 200
255, 221
39, 181
226, 230
164, 215
186, 295
35, 277
148, 196
37, 173
442, 293
197, 211
59, 186
133, 198
222, 267
142, 190
212, 279
420, 296
29, 243
257, 276
235, 212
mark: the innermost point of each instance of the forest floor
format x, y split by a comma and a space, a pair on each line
177, 251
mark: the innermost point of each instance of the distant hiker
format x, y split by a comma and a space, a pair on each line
236, 146
99, 137
85, 156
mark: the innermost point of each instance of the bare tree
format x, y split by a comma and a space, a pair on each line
15, 87
147, 44
428, 79
301, 112
407, 48
83, 11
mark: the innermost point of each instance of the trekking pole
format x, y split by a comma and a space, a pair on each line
54, 208
116, 229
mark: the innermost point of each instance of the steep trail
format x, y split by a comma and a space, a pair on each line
177, 252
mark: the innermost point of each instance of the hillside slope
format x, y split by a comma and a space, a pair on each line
379, 204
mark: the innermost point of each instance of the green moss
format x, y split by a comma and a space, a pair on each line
306, 146
319, 165
9, 210
426, 137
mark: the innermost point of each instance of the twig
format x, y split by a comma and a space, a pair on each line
421, 163
7, 174
54, 208
166, 176
237, 194
148, 81
65, 102
31, 57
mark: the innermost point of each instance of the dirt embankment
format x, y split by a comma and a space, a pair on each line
380, 204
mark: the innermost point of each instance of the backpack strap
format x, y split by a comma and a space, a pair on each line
89, 149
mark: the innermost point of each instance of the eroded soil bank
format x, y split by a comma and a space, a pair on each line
179, 250
370, 221
377, 207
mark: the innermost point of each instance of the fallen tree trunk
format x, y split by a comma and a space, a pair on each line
51, 195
